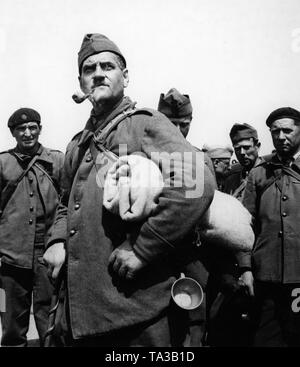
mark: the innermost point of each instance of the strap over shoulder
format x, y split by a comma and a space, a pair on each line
102, 135
11, 186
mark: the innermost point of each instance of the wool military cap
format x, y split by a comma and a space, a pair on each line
242, 131
175, 104
23, 115
281, 113
93, 43
218, 151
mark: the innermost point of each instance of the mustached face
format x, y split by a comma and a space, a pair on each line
102, 76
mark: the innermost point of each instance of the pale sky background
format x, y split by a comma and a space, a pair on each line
237, 59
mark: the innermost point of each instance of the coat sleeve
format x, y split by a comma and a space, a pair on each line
187, 194
249, 201
59, 226
60, 163
250, 195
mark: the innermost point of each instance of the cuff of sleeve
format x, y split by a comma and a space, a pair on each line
150, 245
244, 259
55, 240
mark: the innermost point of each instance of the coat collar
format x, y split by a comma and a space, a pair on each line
42, 153
277, 163
96, 123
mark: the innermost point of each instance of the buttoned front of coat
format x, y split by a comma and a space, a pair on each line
18, 220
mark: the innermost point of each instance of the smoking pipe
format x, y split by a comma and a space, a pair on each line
79, 97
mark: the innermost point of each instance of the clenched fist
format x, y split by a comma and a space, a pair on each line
125, 262
55, 257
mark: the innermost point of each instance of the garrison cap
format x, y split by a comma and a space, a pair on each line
218, 151
175, 104
23, 115
281, 113
242, 131
92, 44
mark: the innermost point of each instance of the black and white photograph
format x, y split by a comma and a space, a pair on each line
150, 176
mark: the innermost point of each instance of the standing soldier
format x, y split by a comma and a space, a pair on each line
178, 108
118, 287
29, 189
272, 197
229, 298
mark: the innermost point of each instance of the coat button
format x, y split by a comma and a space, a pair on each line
31, 208
30, 221
284, 198
31, 194
88, 159
72, 232
280, 234
77, 206
30, 179
284, 214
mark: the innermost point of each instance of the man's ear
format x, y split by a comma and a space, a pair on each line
126, 77
40, 126
258, 144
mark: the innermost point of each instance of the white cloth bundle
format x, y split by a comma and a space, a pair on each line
227, 223
131, 187
133, 184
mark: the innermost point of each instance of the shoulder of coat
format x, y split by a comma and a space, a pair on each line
142, 111
6, 152
266, 159
53, 151
77, 136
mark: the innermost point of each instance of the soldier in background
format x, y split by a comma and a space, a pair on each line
272, 197
229, 297
178, 108
29, 187
220, 156
246, 147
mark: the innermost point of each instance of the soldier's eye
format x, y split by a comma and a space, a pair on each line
88, 69
107, 66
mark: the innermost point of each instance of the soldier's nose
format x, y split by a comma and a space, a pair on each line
27, 132
99, 73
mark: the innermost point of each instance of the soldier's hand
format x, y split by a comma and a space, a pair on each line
125, 262
55, 257
247, 281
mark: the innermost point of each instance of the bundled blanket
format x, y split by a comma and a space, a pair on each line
227, 223
131, 190
132, 187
